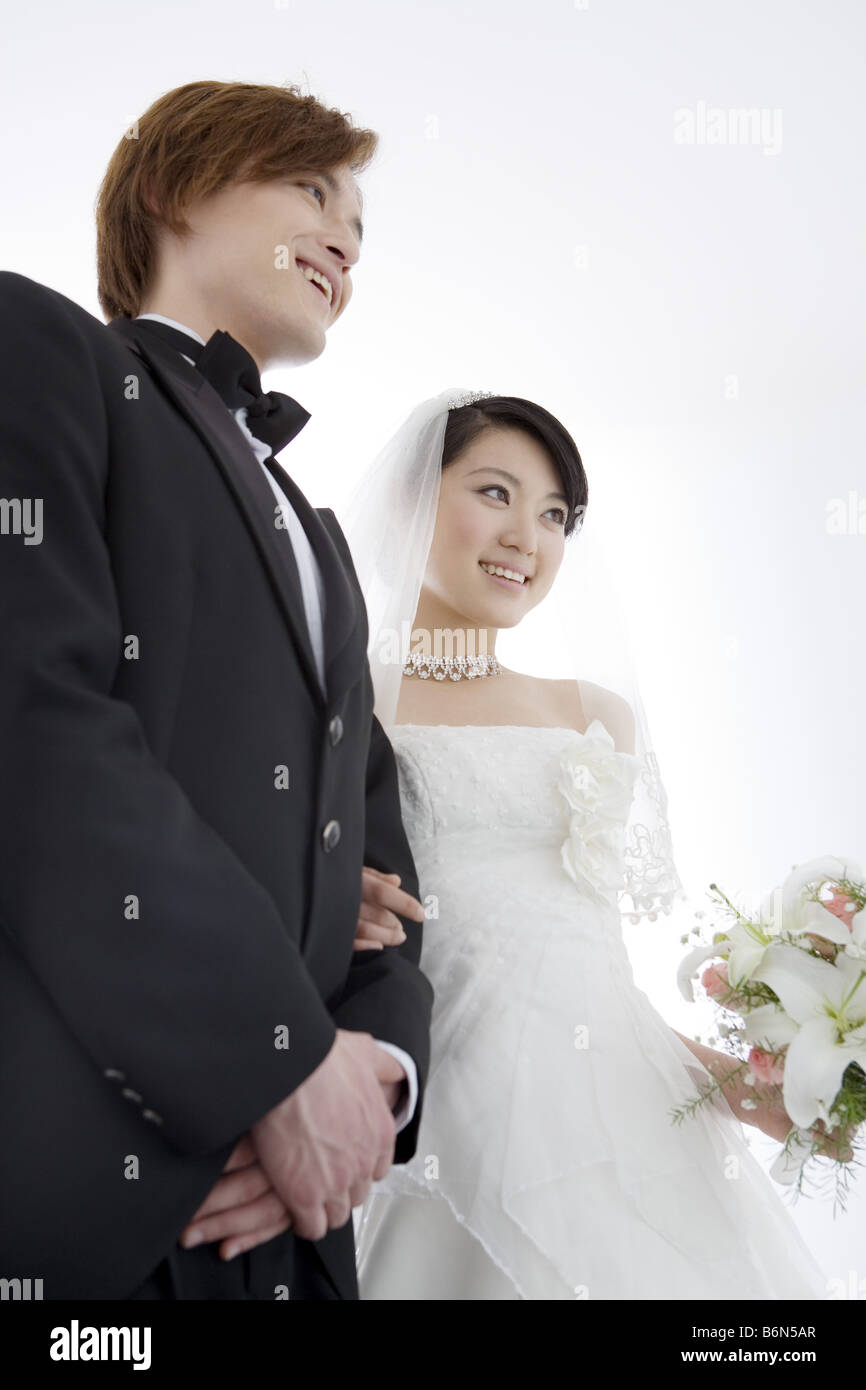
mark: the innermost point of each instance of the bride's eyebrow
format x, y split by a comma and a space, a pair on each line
558, 496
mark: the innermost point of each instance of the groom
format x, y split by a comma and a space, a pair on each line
191, 775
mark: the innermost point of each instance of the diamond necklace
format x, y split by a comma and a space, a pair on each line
457, 667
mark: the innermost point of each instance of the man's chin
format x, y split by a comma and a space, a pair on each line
293, 348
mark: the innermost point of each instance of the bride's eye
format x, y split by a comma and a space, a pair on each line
497, 487
316, 189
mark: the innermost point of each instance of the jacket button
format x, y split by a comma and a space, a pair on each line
113, 1074
152, 1116
335, 730
331, 835
130, 1094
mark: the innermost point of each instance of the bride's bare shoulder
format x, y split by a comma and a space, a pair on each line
614, 711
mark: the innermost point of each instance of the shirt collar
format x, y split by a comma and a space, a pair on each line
173, 323
260, 449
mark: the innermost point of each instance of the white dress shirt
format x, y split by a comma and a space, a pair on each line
313, 592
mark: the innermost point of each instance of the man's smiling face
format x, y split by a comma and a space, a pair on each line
254, 262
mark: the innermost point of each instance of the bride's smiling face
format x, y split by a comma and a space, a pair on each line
502, 503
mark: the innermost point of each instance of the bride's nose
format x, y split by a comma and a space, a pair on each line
521, 535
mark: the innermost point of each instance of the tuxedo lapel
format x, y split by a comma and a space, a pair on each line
196, 399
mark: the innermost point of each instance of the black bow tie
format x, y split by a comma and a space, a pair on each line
272, 416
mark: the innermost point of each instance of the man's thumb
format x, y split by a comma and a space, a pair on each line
387, 1068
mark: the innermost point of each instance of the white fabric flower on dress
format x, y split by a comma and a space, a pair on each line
597, 782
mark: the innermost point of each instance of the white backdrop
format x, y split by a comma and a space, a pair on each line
566, 205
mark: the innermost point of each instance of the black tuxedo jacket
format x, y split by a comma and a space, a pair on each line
183, 813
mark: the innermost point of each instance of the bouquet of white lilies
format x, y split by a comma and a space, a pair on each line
790, 986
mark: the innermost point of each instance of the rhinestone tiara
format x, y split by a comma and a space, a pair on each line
469, 398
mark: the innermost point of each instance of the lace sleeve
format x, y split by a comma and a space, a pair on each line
651, 878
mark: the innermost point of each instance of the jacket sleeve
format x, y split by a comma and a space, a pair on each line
185, 1008
386, 993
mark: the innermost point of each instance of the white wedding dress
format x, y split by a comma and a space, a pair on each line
547, 1164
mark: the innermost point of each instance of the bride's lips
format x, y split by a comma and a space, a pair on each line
500, 579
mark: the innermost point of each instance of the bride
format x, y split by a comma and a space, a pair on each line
547, 1166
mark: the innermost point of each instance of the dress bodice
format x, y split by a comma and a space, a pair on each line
516, 787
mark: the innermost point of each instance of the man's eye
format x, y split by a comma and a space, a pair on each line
316, 189
561, 513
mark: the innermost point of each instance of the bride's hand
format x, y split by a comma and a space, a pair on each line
829, 1145
381, 899
771, 1117
769, 1114
242, 1210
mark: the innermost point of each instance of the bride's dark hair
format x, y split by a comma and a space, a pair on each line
467, 422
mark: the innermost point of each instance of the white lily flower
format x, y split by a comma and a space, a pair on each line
809, 916
829, 1003
791, 909
742, 946
771, 1025
855, 946
689, 964
749, 943
827, 869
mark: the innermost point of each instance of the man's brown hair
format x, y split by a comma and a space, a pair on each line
192, 142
